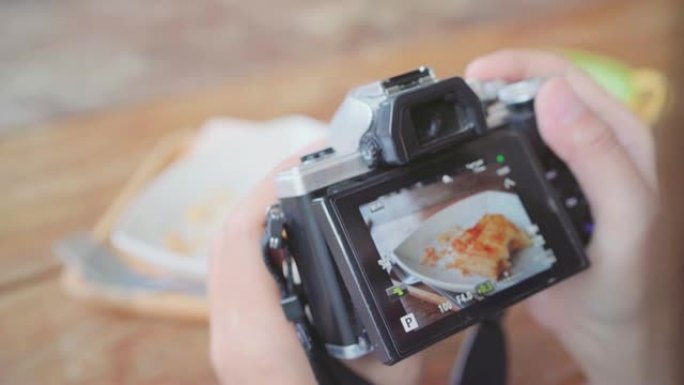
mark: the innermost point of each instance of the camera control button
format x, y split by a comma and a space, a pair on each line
370, 151
571, 202
551, 175
314, 156
520, 92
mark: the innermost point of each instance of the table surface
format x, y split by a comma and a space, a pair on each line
58, 177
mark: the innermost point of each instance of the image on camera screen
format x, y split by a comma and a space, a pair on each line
454, 239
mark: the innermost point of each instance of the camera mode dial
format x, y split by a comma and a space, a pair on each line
370, 151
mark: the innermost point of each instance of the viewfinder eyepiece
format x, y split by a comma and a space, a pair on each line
438, 119
421, 116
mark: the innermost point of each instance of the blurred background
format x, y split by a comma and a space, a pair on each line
101, 101
74, 56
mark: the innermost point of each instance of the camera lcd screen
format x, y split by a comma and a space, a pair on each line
451, 240
443, 244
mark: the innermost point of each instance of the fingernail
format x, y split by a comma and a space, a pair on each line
567, 107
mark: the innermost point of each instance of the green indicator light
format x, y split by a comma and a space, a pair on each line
500, 158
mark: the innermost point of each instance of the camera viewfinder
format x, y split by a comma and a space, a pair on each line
437, 119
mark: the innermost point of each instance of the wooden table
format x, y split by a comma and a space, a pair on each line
59, 176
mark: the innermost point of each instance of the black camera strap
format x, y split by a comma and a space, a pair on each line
483, 359
279, 261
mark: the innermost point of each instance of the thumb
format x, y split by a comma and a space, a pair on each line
590, 148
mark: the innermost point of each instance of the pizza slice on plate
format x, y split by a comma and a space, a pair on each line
485, 249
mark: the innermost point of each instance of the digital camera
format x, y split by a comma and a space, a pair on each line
436, 206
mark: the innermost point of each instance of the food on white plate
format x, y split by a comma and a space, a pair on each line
484, 249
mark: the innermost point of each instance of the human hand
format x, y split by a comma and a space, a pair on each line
599, 315
251, 341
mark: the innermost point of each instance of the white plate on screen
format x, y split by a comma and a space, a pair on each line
464, 214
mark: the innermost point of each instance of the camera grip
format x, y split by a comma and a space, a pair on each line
325, 293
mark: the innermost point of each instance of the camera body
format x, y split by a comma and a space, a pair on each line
436, 206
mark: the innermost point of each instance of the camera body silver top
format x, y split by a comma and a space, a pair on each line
343, 159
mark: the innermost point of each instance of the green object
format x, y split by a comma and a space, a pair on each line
611, 74
500, 158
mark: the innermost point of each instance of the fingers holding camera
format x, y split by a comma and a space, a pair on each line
516, 64
615, 187
631, 132
251, 341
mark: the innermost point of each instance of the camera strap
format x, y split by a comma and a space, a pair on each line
279, 262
